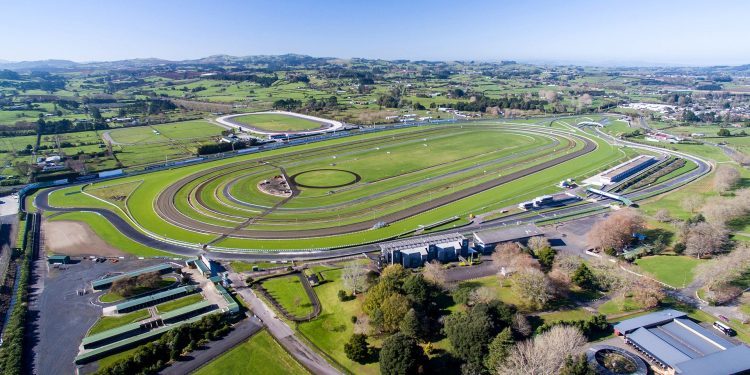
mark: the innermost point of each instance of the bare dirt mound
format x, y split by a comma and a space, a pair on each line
75, 238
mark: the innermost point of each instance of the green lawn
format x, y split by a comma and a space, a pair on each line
332, 328
289, 292
240, 266
556, 316
260, 354
180, 302
617, 306
109, 322
676, 271
276, 122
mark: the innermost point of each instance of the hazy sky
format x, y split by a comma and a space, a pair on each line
654, 31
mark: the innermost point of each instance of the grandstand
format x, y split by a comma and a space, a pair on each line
139, 303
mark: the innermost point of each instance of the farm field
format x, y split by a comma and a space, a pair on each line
276, 122
164, 133
403, 178
260, 354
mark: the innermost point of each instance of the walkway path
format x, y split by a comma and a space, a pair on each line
281, 331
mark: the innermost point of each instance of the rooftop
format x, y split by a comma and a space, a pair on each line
140, 271
680, 343
629, 325
412, 243
632, 163
155, 297
508, 234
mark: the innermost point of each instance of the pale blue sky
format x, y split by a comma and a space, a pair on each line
666, 32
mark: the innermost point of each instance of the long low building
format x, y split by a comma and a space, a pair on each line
107, 282
627, 169
486, 241
139, 303
674, 344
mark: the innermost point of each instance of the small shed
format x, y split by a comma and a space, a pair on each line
58, 259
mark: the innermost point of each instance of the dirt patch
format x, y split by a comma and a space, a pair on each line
75, 238
276, 186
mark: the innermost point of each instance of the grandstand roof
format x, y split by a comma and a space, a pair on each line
507, 234
109, 280
155, 297
110, 333
412, 243
185, 310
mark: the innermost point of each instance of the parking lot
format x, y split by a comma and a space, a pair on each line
59, 317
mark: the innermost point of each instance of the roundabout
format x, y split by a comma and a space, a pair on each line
325, 178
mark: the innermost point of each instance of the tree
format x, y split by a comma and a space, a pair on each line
533, 287
470, 334
704, 239
435, 273
354, 277
647, 293
357, 348
537, 243
400, 355
726, 178
521, 325
583, 277
692, 203
577, 365
616, 231
720, 273
546, 257
499, 349
410, 325
394, 308
545, 353
723, 132
663, 215
510, 257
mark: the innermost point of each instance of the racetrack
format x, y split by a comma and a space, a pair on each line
588, 146
325, 124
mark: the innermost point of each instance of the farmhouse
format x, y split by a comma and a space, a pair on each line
415, 252
486, 241
674, 344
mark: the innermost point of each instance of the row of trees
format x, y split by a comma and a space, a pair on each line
11, 352
154, 356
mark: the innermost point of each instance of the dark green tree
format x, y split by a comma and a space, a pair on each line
357, 349
583, 277
498, 350
400, 355
546, 257
577, 365
410, 325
